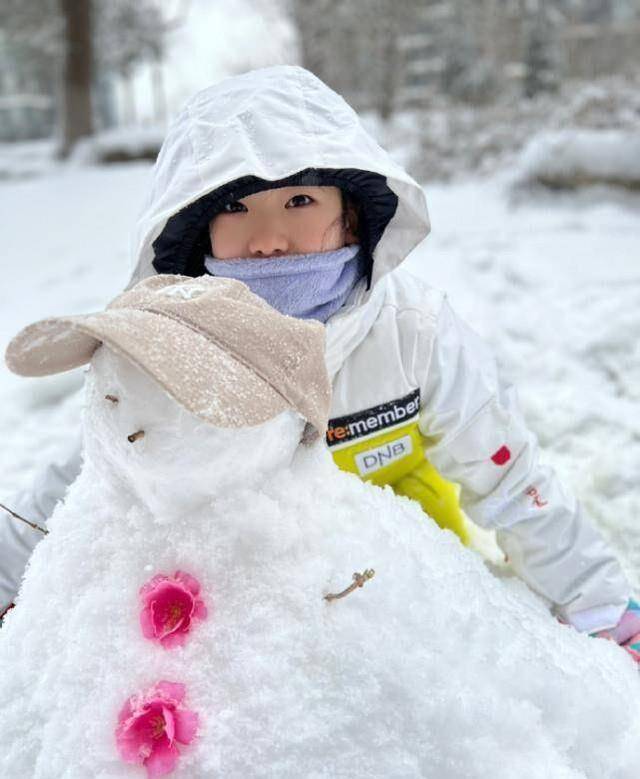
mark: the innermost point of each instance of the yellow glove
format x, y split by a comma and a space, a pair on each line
437, 496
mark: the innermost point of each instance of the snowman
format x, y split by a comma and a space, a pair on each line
216, 599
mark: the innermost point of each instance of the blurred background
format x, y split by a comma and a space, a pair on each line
467, 83
521, 118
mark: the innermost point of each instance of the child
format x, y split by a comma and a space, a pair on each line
270, 178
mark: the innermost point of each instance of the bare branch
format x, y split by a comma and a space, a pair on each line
22, 519
359, 580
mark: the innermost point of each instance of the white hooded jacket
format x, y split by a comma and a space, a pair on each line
397, 352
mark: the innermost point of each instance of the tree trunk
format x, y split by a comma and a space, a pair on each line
75, 109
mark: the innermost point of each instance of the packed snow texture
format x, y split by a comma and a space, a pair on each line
434, 668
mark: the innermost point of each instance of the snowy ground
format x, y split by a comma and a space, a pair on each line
553, 283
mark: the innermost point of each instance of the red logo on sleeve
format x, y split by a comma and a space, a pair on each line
537, 500
502, 456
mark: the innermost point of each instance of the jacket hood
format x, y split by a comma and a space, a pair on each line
273, 124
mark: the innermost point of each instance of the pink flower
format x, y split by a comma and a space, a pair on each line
170, 604
149, 725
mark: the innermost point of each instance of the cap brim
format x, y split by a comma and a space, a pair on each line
203, 378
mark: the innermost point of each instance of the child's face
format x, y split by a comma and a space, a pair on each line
291, 220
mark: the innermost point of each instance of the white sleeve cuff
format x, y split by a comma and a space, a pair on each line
597, 618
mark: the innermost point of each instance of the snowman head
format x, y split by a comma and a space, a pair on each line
172, 459
195, 384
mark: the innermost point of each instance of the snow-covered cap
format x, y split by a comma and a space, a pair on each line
219, 350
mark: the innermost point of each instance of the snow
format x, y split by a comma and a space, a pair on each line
434, 668
64, 250
553, 283
120, 144
573, 158
26, 159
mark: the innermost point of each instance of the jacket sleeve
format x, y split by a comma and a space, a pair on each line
476, 436
17, 540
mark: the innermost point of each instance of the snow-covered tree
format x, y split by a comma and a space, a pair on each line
129, 32
355, 46
541, 74
30, 47
78, 44
467, 75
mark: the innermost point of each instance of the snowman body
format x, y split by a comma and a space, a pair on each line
433, 668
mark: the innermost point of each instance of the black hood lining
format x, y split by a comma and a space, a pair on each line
184, 242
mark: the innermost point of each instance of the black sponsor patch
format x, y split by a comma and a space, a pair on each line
373, 420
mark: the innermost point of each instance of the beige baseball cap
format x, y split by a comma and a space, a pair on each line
220, 351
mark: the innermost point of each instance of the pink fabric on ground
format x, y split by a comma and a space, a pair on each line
627, 631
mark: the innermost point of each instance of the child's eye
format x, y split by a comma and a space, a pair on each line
299, 200
234, 207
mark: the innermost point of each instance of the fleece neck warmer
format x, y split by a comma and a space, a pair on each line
307, 286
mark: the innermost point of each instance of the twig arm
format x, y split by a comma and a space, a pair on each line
359, 580
22, 519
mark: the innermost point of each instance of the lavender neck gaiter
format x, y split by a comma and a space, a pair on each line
307, 286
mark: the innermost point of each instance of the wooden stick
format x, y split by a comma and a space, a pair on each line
359, 580
22, 519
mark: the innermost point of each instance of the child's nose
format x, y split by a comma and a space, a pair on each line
268, 242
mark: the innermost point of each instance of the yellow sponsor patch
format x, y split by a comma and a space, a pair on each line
385, 458
381, 443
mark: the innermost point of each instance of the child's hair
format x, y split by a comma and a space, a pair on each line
350, 206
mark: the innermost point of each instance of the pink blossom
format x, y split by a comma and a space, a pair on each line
170, 603
149, 725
